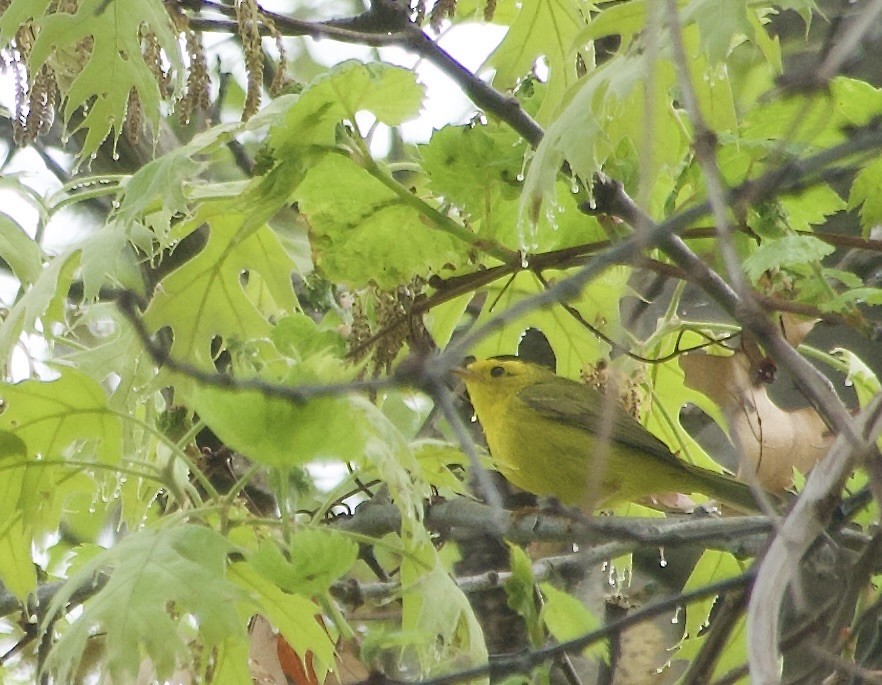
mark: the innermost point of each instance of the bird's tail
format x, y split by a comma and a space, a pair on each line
726, 489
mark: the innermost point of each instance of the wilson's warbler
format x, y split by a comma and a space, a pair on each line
542, 433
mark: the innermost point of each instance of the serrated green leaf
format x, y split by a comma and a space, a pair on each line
161, 180
479, 169
866, 193
206, 296
50, 416
44, 300
543, 28
231, 663
18, 13
441, 321
156, 579
792, 250
712, 567
107, 260
362, 232
811, 207
470, 164
316, 558
817, 120
435, 459
391, 94
296, 617
115, 65
432, 604
868, 295
605, 114
19, 251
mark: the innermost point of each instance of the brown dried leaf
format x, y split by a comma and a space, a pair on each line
263, 654
795, 327
772, 441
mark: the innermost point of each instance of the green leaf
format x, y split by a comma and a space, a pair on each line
362, 232
316, 558
432, 604
866, 193
18, 13
479, 169
162, 181
476, 166
625, 19
391, 94
51, 416
811, 207
115, 65
17, 249
44, 300
817, 120
161, 584
567, 618
792, 250
519, 590
543, 28
17, 570
720, 24
606, 116
107, 260
296, 617
206, 296
279, 432
297, 336
859, 375
435, 459
712, 567
573, 344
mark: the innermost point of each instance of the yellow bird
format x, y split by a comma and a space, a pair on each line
542, 433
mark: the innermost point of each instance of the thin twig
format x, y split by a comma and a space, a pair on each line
524, 663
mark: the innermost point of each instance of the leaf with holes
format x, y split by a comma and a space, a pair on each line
115, 64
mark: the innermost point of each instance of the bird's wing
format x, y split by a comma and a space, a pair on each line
582, 407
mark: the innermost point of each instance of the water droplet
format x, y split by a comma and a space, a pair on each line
520, 177
849, 383
661, 557
525, 263
676, 619
574, 189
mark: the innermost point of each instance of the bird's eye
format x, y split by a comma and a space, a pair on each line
497, 371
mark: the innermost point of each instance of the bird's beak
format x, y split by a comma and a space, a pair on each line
463, 372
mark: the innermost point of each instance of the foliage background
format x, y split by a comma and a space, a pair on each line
248, 271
